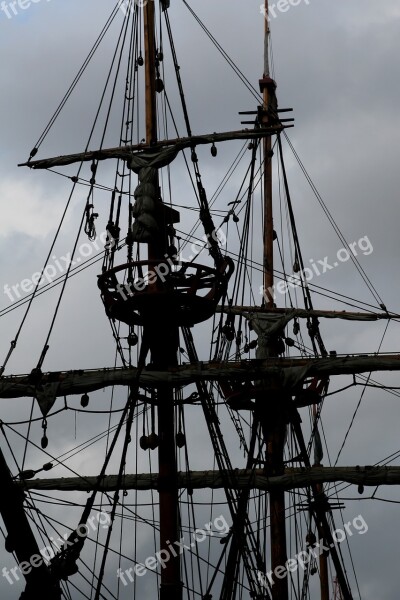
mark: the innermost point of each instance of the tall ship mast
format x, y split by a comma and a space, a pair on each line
201, 469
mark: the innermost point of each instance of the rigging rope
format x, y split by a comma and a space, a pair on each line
83, 68
255, 93
353, 258
359, 401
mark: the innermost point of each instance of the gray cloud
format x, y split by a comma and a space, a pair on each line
336, 65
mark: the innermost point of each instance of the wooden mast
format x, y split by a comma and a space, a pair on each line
323, 558
267, 86
274, 435
150, 81
162, 336
323, 571
40, 583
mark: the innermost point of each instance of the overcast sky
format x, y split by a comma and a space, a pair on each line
336, 65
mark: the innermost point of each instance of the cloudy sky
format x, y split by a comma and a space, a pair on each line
336, 65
